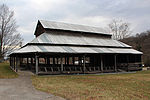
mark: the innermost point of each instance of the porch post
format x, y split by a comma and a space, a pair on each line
84, 63
16, 64
27, 60
10, 61
101, 63
48, 60
127, 63
31, 61
61, 64
73, 60
115, 66
36, 64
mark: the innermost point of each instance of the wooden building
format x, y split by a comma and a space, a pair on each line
60, 48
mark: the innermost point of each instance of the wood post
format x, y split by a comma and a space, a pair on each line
17, 64
31, 60
115, 66
10, 61
127, 63
53, 60
61, 64
14, 63
101, 63
84, 63
27, 65
36, 65
73, 59
48, 60
67, 60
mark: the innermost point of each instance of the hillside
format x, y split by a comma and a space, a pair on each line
141, 42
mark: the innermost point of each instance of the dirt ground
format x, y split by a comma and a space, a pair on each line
21, 89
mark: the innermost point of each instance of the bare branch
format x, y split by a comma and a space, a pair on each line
119, 29
10, 39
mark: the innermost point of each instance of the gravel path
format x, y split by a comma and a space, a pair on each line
21, 89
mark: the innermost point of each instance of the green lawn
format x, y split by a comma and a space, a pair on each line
6, 72
97, 87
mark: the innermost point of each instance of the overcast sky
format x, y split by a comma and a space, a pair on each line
87, 12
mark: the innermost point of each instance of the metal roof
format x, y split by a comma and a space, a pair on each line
72, 27
73, 49
75, 39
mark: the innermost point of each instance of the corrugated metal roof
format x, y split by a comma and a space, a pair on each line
73, 49
72, 27
77, 40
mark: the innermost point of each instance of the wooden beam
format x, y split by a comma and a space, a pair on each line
36, 64
31, 60
27, 60
14, 63
127, 63
61, 64
45, 59
101, 63
53, 60
10, 61
67, 60
73, 59
48, 60
17, 64
115, 66
84, 63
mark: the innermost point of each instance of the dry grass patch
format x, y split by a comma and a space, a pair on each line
6, 72
97, 87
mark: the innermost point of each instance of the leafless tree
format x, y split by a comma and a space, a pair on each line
10, 39
119, 29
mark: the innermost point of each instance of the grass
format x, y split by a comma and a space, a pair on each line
135, 86
6, 72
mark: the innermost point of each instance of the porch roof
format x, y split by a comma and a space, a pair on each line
74, 49
77, 39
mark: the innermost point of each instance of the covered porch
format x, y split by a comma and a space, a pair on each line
74, 63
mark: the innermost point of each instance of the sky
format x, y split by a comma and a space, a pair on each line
97, 13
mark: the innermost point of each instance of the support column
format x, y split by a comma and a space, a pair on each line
53, 60
127, 63
14, 63
48, 60
73, 59
10, 61
115, 66
17, 63
61, 64
84, 64
27, 60
36, 65
101, 63
31, 61
67, 60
